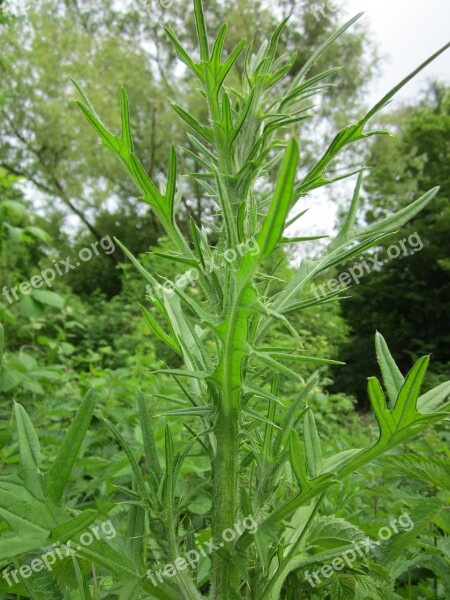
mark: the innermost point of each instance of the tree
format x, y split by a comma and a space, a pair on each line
104, 47
417, 313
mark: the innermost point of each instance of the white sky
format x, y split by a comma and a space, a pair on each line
407, 33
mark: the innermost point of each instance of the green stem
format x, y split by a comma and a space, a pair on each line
225, 575
225, 466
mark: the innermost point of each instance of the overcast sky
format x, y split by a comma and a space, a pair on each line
407, 32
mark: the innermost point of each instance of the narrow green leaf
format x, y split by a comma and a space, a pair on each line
181, 52
298, 460
82, 581
135, 534
346, 231
405, 409
313, 451
156, 328
277, 366
432, 400
201, 30
30, 451
305, 359
217, 48
254, 390
132, 460
255, 415
272, 48
340, 459
274, 222
69, 529
191, 411
169, 480
384, 417
110, 141
125, 116
392, 378
384, 101
171, 184
151, 454
228, 64
400, 218
58, 476
2, 345
184, 373
294, 414
318, 53
205, 132
294, 95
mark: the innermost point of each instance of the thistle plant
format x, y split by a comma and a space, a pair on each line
266, 458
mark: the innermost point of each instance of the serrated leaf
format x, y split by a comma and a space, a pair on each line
417, 520
329, 532
433, 470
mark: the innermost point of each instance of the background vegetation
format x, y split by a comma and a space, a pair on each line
59, 193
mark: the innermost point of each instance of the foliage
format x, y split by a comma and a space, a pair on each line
250, 445
44, 142
401, 168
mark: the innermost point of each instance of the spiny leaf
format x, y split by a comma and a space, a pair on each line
329, 532
432, 469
